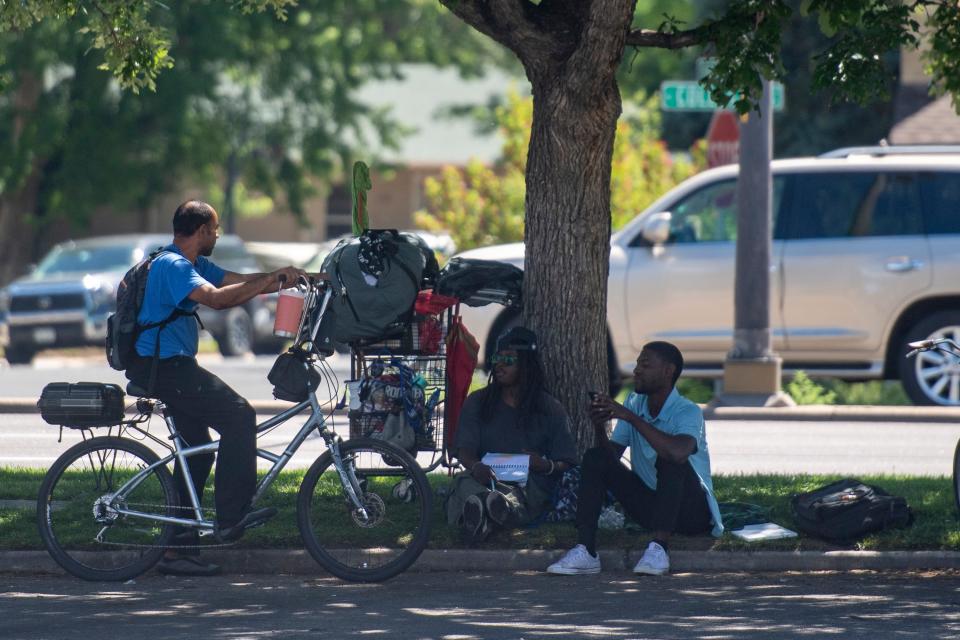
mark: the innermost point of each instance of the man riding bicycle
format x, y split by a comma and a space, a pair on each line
179, 280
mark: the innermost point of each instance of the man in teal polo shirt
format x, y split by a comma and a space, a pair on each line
669, 488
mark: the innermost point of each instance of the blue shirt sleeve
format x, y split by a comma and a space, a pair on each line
179, 279
688, 422
209, 271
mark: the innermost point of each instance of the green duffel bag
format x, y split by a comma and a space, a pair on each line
376, 278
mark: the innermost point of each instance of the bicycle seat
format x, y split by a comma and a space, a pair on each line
133, 389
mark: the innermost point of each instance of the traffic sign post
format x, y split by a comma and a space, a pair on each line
688, 95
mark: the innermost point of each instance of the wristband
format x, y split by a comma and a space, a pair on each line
550, 473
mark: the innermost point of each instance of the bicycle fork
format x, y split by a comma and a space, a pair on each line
348, 478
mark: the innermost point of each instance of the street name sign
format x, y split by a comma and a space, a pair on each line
688, 95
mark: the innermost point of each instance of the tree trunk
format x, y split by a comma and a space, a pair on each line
570, 50
568, 240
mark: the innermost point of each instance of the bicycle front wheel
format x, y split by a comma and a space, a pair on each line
77, 510
956, 477
391, 531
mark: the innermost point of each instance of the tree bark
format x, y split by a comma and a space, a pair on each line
570, 50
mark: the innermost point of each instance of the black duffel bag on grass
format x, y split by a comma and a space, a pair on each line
847, 510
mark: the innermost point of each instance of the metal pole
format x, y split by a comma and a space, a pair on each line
751, 337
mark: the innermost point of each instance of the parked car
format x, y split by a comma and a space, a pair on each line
65, 300
866, 257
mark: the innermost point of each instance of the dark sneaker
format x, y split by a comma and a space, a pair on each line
475, 523
251, 519
498, 509
187, 566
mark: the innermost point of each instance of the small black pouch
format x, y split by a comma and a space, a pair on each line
292, 377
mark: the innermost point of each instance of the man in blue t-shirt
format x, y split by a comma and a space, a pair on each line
181, 279
669, 488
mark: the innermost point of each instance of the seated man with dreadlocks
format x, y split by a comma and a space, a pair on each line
512, 414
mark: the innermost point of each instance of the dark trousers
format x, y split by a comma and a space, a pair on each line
679, 504
197, 399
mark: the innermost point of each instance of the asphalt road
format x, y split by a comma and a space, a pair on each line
473, 606
736, 446
853, 448
247, 375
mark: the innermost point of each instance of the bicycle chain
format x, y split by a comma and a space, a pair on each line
131, 545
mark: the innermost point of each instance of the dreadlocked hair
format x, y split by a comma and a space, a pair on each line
532, 383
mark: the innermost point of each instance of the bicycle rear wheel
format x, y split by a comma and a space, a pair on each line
396, 496
77, 517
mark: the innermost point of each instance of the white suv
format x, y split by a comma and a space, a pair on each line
866, 257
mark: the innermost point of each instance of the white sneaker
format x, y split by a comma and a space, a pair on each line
575, 562
654, 562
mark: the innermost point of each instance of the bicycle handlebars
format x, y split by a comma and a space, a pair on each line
929, 345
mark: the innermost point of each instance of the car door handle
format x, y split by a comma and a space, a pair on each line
903, 264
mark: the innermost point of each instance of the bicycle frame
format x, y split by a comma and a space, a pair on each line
180, 452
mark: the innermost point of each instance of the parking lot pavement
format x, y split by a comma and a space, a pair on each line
467, 606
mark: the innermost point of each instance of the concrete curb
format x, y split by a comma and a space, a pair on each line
298, 562
807, 413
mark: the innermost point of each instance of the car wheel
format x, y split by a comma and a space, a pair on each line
237, 338
932, 377
19, 354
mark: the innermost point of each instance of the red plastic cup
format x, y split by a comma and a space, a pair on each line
289, 310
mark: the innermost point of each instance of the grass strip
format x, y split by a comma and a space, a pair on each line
936, 526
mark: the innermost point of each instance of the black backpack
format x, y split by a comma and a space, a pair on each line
847, 510
122, 327
480, 282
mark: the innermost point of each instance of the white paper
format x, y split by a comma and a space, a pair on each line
509, 467
763, 531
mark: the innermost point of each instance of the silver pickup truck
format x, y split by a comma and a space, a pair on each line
65, 300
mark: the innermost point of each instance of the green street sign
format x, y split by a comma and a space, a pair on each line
688, 95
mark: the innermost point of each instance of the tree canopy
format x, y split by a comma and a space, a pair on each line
116, 102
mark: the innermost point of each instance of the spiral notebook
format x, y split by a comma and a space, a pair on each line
509, 467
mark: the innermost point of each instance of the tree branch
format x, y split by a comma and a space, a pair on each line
675, 40
504, 21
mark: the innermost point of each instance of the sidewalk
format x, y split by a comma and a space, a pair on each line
299, 562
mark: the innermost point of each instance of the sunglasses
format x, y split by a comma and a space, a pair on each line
508, 361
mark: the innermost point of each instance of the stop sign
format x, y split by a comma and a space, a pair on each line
723, 139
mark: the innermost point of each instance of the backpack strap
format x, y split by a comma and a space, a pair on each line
140, 328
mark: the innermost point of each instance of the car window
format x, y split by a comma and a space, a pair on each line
85, 260
855, 204
710, 214
941, 199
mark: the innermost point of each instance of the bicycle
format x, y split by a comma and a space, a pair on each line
108, 508
936, 364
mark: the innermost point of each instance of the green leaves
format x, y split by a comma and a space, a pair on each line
943, 60
746, 43
866, 31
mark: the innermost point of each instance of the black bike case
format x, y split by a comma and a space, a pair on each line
81, 404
